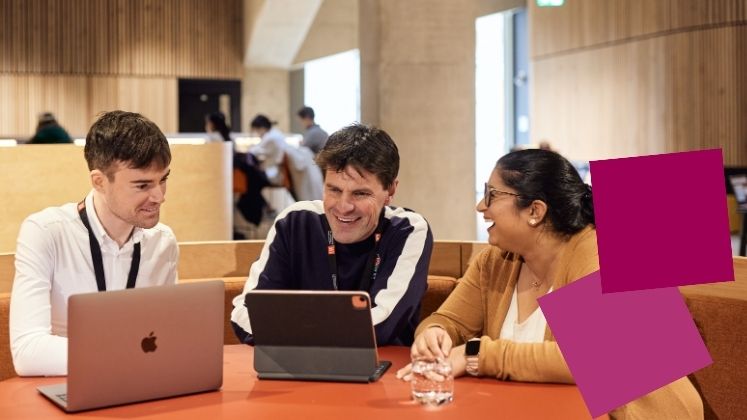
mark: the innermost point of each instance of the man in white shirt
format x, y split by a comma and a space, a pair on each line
111, 240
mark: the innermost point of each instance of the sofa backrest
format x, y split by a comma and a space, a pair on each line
199, 260
7, 271
720, 312
231, 261
6, 361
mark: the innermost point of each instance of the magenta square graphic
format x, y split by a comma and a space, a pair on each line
662, 220
621, 346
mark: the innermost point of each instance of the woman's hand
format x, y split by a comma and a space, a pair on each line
456, 359
433, 343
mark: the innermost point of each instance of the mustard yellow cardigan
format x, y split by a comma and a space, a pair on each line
478, 307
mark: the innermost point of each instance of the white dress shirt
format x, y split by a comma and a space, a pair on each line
53, 261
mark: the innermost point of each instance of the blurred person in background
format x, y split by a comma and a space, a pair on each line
314, 137
271, 148
216, 127
49, 131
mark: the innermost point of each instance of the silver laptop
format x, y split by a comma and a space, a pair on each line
142, 344
314, 335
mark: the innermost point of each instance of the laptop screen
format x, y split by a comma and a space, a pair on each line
311, 318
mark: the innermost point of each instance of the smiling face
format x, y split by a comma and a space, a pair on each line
135, 195
508, 221
353, 201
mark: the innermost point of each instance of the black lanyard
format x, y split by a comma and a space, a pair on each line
98, 263
372, 264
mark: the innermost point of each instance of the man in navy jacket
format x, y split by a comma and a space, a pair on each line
351, 240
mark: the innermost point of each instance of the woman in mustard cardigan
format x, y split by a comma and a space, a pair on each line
542, 238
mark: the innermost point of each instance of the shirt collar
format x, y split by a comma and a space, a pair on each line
98, 229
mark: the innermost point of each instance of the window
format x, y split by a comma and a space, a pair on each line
332, 88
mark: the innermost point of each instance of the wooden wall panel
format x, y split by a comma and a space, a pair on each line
156, 98
76, 58
24, 97
658, 95
197, 43
669, 91
572, 87
187, 38
77, 100
9, 104
585, 23
198, 173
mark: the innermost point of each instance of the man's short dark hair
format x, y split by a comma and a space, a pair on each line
306, 112
127, 137
362, 147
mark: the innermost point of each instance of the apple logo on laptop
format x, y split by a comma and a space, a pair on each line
149, 343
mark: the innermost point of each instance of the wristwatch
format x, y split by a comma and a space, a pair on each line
472, 354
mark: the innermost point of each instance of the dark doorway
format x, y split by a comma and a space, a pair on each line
198, 97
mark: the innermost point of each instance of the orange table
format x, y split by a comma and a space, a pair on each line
244, 396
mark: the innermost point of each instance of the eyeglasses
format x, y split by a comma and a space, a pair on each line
490, 191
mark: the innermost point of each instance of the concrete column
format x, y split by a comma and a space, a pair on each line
265, 91
417, 83
273, 33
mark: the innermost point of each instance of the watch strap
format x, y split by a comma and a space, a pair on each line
472, 356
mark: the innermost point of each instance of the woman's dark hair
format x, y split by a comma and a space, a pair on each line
546, 176
260, 121
219, 124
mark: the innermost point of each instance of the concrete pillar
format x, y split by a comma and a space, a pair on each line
417, 83
265, 91
273, 34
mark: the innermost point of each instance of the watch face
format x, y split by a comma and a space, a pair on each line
473, 347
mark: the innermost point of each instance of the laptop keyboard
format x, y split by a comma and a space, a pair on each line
63, 397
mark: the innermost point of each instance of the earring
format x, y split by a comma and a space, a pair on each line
532, 222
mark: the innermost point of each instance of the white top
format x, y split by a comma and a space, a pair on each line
532, 330
271, 149
53, 261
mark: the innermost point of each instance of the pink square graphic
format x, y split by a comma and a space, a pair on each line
621, 346
662, 221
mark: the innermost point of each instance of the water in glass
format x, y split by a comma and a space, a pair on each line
432, 382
